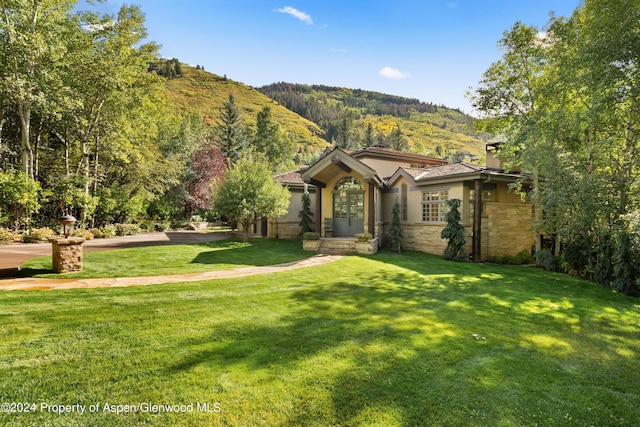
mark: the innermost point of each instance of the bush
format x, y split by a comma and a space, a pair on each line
162, 225
454, 231
179, 225
38, 235
522, 257
395, 228
310, 235
363, 237
577, 254
546, 259
85, 234
8, 236
104, 232
127, 229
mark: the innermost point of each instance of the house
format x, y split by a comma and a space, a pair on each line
354, 191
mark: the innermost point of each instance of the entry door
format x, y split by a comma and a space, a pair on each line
348, 214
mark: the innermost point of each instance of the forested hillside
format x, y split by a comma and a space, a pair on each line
349, 117
195, 90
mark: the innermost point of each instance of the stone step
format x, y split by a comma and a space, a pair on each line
337, 246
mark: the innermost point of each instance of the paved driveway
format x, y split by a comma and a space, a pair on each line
12, 256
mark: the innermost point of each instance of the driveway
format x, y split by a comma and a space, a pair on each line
13, 256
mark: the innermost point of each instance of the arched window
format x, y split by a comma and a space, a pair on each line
349, 183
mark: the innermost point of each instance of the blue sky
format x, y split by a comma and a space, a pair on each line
433, 50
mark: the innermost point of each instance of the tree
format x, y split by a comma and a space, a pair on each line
19, 197
270, 141
305, 214
397, 140
395, 228
369, 139
230, 131
344, 132
33, 45
249, 193
454, 231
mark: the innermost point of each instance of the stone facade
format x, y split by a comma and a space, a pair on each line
507, 229
283, 229
67, 254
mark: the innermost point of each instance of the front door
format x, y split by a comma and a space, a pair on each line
348, 213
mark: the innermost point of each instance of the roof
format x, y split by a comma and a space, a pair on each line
460, 171
293, 177
338, 159
447, 170
378, 151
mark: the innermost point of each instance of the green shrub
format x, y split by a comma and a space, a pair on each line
395, 228
127, 229
162, 225
363, 237
546, 259
310, 235
38, 235
521, 258
178, 225
454, 232
147, 225
8, 236
86, 234
104, 232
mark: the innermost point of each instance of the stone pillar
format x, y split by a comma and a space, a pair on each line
67, 254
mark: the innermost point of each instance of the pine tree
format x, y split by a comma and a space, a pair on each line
269, 140
369, 139
395, 228
454, 231
231, 132
397, 140
305, 214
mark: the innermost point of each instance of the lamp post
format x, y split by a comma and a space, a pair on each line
67, 222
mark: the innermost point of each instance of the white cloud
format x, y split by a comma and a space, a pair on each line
298, 14
392, 73
334, 50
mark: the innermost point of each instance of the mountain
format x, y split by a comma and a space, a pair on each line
312, 115
429, 128
195, 90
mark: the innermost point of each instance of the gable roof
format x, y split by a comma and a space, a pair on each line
451, 172
336, 160
388, 153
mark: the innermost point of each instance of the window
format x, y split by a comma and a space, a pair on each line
434, 206
349, 183
403, 196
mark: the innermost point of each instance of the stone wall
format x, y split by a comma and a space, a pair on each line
67, 254
509, 229
283, 229
506, 230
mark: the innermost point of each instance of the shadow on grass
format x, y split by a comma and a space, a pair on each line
393, 336
256, 252
164, 259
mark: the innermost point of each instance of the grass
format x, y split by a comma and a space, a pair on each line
381, 340
175, 259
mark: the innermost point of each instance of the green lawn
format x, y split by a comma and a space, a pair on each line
175, 259
383, 340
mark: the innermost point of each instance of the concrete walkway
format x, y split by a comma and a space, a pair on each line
55, 284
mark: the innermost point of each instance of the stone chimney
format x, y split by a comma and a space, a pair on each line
493, 160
